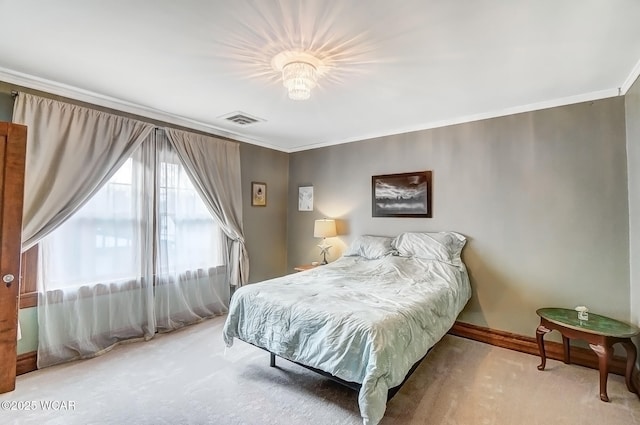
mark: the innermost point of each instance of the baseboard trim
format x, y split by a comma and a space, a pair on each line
27, 362
525, 344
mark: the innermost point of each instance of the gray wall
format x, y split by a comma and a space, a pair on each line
632, 109
541, 197
6, 107
265, 228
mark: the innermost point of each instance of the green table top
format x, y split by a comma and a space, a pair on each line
599, 325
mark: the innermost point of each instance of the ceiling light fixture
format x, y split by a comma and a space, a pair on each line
299, 72
299, 78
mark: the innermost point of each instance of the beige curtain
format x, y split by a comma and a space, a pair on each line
72, 152
213, 165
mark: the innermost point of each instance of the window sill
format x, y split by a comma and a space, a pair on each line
29, 300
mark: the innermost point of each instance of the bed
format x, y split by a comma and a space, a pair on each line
367, 318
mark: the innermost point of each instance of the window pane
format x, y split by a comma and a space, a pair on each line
189, 237
99, 243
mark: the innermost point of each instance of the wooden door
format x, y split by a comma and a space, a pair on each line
13, 142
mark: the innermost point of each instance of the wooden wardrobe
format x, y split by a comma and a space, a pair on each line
13, 143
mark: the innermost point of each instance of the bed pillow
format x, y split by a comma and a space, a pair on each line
441, 246
370, 247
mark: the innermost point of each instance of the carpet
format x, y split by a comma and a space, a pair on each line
189, 377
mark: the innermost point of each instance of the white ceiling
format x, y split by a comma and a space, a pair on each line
389, 66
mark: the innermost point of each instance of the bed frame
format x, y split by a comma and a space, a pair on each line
352, 385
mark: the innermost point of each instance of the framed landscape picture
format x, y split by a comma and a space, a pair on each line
258, 194
401, 195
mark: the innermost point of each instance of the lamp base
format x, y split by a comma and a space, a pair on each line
323, 250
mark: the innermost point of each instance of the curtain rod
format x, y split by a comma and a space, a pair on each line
14, 93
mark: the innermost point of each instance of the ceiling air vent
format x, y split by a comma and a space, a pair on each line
241, 119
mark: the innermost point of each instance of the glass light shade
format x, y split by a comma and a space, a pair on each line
299, 78
324, 228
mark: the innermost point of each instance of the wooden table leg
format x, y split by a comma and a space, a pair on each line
567, 349
632, 353
604, 354
540, 332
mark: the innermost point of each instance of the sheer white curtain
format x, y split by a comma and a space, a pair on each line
191, 276
143, 255
105, 273
95, 274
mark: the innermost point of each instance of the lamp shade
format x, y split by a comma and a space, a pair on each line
324, 228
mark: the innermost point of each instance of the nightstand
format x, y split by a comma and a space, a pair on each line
305, 267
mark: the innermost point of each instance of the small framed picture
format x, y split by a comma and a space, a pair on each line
305, 198
258, 194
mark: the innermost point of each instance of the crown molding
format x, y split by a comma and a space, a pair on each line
633, 76
569, 100
81, 95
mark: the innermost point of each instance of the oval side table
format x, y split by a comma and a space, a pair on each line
600, 332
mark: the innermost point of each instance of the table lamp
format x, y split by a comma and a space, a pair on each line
324, 229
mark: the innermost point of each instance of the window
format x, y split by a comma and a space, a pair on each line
106, 240
99, 242
188, 237
28, 283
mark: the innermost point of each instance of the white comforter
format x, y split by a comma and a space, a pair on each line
364, 321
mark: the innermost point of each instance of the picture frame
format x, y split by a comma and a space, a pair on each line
402, 195
305, 198
258, 194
